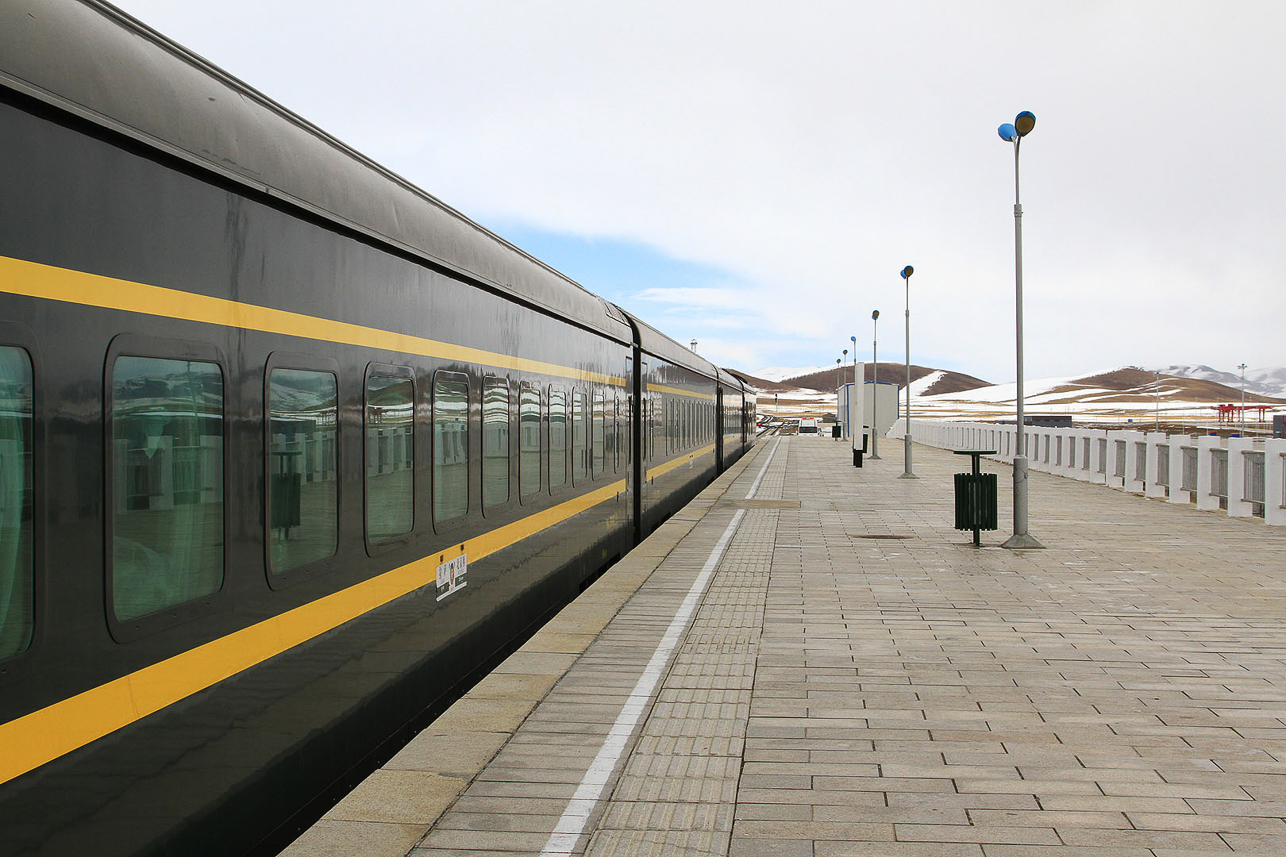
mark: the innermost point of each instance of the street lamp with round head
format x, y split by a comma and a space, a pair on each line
875, 385
907, 473
1013, 133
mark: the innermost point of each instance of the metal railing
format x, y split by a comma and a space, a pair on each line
1163, 464
1189, 480
1140, 462
1119, 471
1252, 486
1219, 476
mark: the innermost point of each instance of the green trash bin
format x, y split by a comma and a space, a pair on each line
976, 497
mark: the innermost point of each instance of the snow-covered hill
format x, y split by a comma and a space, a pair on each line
779, 373
1265, 382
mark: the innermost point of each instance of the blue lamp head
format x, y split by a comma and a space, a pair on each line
1008, 133
1024, 122
907, 272
875, 316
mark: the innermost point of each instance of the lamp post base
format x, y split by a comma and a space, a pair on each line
906, 459
1021, 541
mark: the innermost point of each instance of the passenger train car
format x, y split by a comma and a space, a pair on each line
289, 450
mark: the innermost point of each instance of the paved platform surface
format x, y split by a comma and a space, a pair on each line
855, 678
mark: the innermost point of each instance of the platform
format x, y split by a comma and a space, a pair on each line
856, 678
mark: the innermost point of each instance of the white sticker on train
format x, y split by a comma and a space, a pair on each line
451, 575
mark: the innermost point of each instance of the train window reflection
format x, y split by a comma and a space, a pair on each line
450, 447
495, 441
529, 441
557, 438
580, 434
15, 501
167, 483
390, 456
599, 444
303, 472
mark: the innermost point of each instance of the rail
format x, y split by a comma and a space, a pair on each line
1243, 477
1253, 484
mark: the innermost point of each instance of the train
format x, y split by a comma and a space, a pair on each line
290, 450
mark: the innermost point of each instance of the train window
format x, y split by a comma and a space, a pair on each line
528, 441
671, 424
653, 421
614, 435
557, 438
15, 501
390, 456
495, 441
580, 434
450, 446
599, 423
167, 498
303, 468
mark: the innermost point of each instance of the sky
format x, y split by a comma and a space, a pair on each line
755, 175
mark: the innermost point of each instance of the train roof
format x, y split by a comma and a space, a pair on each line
655, 342
93, 60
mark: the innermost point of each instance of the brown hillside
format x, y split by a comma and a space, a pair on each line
828, 379
1138, 384
759, 383
891, 373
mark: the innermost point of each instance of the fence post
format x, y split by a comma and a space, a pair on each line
1178, 442
1206, 445
1275, 481
1152, 481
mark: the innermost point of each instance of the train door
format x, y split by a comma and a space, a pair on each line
718, 434
639, 433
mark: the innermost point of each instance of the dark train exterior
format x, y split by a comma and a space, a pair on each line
289, 450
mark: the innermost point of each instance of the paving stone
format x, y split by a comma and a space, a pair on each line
1122, 692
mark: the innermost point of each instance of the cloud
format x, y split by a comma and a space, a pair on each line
796, 157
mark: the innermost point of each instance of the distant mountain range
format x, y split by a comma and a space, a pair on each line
826, 378
1195, 383
1265, 382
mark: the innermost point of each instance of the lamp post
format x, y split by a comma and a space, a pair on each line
875, 386
847, 407
906, 438
1242, 367
1023, 124
837, 384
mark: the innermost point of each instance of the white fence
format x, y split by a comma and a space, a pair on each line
1243, 476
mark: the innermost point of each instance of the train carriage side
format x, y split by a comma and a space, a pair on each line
289, 449
736, 405
678, 428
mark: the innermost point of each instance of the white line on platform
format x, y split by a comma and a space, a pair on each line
571, 825
763, 470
